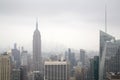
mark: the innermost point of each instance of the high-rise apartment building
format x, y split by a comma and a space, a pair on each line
56, 70
5, 67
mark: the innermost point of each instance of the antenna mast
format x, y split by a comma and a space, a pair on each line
106, 16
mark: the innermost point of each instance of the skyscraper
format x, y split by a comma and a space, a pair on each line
16, 56
37, 59
105, 52
71, 60
96, 67
82, 56
5, 67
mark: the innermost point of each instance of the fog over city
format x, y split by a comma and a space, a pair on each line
62, 23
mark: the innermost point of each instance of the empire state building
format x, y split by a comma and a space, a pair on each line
37, 58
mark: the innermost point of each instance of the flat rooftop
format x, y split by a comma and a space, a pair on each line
55, 62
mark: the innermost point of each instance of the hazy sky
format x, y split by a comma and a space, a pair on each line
62, 23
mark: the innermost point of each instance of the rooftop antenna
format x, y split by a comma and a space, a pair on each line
36, 23
106, 16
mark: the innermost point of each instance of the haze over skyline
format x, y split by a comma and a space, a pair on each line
62, 23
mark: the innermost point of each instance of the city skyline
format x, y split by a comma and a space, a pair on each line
59, 40
69, 26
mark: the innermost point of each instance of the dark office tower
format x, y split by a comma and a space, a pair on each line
96, 67
91, 70
82, 56
23, 73
16, 56
37, 59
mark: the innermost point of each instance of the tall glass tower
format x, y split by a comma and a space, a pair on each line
105, 39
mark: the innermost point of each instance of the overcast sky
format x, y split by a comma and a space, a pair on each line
62, 23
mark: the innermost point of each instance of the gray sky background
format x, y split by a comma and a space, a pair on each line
62, 23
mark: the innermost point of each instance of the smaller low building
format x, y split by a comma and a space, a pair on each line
113, 76
37, 75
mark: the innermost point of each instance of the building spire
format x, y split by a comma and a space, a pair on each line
36, 23
106, 16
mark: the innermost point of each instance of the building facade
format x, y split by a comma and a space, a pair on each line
56, 70
5, 67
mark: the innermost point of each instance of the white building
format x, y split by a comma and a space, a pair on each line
56, 70
24, 58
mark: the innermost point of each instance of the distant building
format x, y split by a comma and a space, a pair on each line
82, 56
53, 57
30, 63
5, 67
24, 57
16, 56
37, 75
71, 58
56, 70
80, 73
72, 61
16, 74
23, 73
